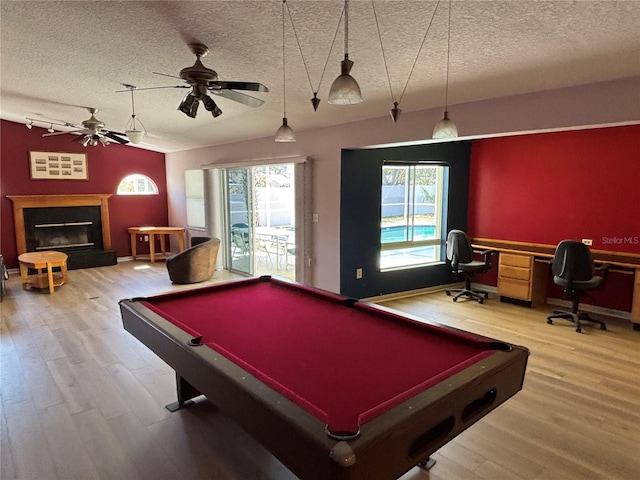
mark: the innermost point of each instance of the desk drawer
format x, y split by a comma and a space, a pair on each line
524, 261
514, 288
518, 273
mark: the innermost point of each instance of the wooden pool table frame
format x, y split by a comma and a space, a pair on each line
388, 445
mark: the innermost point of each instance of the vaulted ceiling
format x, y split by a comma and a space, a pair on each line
60, 57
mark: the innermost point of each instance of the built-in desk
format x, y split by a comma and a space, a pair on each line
521, 277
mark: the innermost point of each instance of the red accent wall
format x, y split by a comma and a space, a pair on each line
543, 188
107, 166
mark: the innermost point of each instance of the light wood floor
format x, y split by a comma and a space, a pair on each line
82, 399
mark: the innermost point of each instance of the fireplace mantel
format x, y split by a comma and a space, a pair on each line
20, 202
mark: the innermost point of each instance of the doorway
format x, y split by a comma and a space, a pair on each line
260, 224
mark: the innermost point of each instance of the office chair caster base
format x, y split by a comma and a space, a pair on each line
575, 318
469, 294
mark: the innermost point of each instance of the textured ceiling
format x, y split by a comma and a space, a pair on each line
60, 57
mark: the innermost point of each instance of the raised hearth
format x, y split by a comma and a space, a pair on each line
75, 224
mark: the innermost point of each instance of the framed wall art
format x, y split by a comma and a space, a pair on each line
58, 166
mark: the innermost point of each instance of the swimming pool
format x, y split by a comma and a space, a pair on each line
399, 233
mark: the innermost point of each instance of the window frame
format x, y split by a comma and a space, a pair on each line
440, 205
134, 178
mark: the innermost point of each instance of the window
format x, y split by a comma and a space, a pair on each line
137, 184
194, 189
411, 214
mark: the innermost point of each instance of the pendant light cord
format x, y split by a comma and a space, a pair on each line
284, 76
417, 55
346, 28
133, 111
295, 33
446, 90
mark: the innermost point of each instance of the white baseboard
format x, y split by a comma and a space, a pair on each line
411, 293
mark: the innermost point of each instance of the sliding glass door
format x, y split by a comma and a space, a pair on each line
258, 211
239, 196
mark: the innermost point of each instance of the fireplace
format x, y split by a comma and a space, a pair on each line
77, 225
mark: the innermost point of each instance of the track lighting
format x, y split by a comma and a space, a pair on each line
30, 124
50, 129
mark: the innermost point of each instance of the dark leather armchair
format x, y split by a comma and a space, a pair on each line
573, 269
4, 275
195, 264
460, 254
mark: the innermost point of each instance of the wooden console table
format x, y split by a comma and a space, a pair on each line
179, 232
520, 262
40, 261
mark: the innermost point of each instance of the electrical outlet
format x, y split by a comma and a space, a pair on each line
315, 218
358, 273
587, 241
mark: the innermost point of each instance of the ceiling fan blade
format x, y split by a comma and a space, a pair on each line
252, 86
156, 88
243, 98
114, 136
166, 75
59, 133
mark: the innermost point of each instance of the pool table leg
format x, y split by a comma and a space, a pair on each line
427, 464
185, 392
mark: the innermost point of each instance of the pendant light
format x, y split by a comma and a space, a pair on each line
284, 133
134, 134
344, 89
445, 128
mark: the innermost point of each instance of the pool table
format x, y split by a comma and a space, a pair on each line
335, 388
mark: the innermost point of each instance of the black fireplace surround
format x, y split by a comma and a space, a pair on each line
76, 231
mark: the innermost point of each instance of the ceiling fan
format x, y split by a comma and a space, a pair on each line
201, 80
93, 131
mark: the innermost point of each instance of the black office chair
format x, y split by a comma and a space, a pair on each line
573, 269
460, 254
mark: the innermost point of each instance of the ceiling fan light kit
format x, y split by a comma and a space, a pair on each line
189, 105
202, 80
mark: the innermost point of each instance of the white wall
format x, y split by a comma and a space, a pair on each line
598, 104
